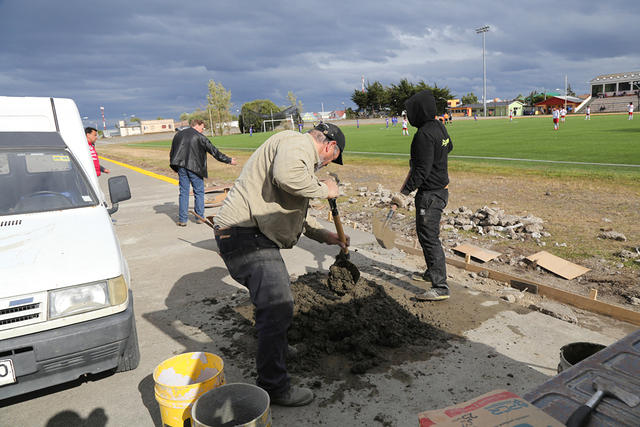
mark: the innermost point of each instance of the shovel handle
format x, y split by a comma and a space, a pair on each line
206, 221
338, 223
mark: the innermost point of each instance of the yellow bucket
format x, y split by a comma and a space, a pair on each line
181, 380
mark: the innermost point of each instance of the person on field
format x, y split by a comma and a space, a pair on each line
188, 157
587, 114
630, 110
405, 126
265, 211
428, 173
556, 118
92, 135
563, 114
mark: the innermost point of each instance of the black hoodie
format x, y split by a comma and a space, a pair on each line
430, 146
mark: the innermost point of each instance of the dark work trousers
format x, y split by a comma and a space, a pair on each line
255, 262
429, 206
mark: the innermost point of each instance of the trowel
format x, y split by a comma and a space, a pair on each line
384, 235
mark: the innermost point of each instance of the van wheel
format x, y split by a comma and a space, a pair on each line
131, 356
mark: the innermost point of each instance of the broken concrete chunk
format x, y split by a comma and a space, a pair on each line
509, 298
613, 235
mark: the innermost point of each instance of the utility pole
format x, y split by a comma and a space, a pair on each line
565, 92
483, 30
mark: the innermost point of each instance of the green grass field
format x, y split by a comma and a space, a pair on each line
608, 139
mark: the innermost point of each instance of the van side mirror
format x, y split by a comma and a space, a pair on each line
118, 191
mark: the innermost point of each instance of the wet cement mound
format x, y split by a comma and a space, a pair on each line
358, 325
340, 328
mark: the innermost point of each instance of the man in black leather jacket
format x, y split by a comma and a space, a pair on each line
188, 157
428, 174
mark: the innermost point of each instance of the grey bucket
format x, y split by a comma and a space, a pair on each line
576, 352
232, 405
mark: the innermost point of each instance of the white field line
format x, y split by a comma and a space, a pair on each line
510, 159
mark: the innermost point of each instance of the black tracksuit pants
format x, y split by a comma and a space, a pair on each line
429, 207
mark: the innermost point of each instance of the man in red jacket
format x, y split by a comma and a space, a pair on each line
92, 136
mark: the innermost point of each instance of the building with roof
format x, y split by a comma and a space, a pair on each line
617, 84
127, 129
496, 108
155, 126
558, 101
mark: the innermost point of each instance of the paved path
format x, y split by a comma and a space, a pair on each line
174, 268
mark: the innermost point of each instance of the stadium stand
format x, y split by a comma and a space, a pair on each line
612, 104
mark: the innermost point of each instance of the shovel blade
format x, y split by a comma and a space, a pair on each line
342, 261
384, 235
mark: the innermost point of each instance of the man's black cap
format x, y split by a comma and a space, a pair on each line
333, 133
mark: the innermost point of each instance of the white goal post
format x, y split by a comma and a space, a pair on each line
272, 121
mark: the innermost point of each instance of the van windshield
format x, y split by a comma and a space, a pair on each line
41, 180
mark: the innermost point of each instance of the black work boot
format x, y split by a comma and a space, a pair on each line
295, 396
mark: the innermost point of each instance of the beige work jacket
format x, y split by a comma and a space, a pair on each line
274, 189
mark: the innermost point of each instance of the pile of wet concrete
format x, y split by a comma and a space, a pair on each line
340, 326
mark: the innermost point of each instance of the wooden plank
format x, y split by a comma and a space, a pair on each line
559, 295
557, 265
476, 252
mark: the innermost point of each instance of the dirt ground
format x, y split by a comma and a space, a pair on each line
575, 211
343, 331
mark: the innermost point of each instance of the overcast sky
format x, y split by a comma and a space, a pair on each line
153, 58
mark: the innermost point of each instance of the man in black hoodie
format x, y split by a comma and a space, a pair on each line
428, 174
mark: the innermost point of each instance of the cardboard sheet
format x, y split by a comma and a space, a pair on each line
496, 408
557, 265
476, 252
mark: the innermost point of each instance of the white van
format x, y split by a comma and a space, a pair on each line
66, 307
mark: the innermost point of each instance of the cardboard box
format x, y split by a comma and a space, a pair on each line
497, 408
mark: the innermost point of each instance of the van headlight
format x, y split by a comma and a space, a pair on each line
89, 297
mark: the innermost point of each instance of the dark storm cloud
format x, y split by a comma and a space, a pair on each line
154, 58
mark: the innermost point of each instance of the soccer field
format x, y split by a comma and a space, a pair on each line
608, 139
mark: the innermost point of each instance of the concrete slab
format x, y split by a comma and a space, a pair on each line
175, 270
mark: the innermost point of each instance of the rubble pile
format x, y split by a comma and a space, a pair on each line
490, 221
495, 222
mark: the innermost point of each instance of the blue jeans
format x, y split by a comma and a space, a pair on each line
429, 207
255, 262
186, 177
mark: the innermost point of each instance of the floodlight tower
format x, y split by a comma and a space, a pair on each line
483, 30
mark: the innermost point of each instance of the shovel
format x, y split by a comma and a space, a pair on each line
384, 235
342, 259
204, 220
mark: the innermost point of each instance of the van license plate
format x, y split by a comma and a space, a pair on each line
7, 373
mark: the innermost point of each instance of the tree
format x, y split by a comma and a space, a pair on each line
441, 94
253, 113
398, 94
157, 118
134, 119
294, 102
469, 98
570, 91
534, 97
219, 104
360, 99
376, 96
